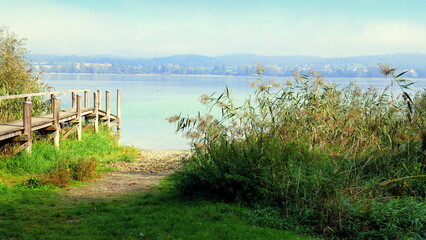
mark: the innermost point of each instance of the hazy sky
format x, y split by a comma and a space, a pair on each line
148, 28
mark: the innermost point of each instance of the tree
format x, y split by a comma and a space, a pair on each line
16, 77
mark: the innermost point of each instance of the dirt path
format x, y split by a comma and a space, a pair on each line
138, 176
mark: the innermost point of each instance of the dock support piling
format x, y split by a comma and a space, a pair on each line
108, 108
52, 97
96, 111
118, 110
79, 121
73, 99
86, 99
27, 114
99, 99
56, 108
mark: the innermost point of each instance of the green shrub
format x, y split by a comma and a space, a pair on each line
83, 169
34, 182
67, 171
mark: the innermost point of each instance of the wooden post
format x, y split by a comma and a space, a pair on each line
79, 122
56, 108
99, 99
52, 97
73, 99
96, 110
86, 99
108, 108
118, 109
27, 114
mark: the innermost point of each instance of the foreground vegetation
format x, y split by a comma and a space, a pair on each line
42, 214
342, 162
33, 207
73, 161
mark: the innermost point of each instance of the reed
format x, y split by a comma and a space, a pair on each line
326, 156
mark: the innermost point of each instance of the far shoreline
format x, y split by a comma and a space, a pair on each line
156, 74
210, 75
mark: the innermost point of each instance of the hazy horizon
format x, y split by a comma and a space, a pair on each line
147, 29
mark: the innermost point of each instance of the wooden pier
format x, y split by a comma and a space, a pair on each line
21, 130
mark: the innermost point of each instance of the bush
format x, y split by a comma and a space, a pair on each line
59, 176
83, 169
332, 159
16, 77
67, 171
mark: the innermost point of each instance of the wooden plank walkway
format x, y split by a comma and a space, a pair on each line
23, 128
16, 128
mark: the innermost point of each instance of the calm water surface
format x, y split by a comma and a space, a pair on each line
148, 100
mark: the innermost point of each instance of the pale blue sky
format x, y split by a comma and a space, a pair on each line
149, 28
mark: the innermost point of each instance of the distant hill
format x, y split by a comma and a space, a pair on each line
236, 64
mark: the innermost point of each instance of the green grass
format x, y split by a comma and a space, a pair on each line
45, 158
43, 214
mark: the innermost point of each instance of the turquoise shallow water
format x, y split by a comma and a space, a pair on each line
148, 100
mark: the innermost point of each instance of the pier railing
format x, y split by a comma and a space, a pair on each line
22, 129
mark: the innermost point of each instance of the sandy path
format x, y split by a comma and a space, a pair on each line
138, 176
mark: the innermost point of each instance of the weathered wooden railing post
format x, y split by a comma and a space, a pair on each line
79, 121
73, 99
52, 97
108, 109
96, 111
99, 99
56, 108
27, 115
86, 99
118, 109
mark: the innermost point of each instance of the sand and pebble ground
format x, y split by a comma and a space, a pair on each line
129, 177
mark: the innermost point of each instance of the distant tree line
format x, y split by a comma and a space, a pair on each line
362, 67
270, 70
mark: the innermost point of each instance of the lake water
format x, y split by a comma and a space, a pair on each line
148, 100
